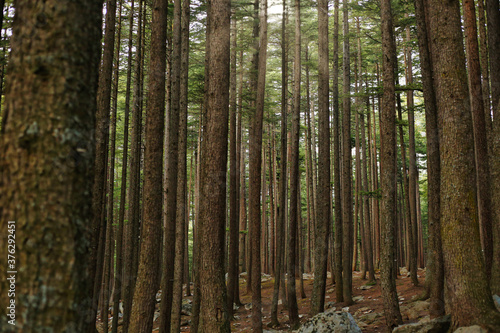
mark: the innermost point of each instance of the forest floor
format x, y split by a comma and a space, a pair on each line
367, 308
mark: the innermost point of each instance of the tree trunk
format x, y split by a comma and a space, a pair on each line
144, 300
180, 226
47, 147
347, 219
256, 163
132, 227
493, 21
324, 191
123, 191
214, 315
480, 139
170, 198
388, 172
339, 292
233, 182
110, 244
280, 229
468, 291
293, 312
101, 137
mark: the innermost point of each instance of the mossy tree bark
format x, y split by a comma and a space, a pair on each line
469, 293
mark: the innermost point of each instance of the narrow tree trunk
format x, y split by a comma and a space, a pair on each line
233, 181
293, 312
480, 139
259, 63
180, 227
101, 137
339, 290
280, 228
107, 285
132, 227
347, 219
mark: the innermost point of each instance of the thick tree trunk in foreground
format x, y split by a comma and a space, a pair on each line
468, 291
214, 316
388, 172
44, 176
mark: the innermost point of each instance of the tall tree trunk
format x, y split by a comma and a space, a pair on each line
411, 246
132, 227
256, 163
101, 137
172, 151
123, 190
182, 170
435, 272
110, 244
493, 21
293, 311
339, 290
198, 228
324, 189
233, 181
144, 300
280, 229
347, 219
214, 314
388, 171
480, 139
412, 166
468, 290
368, 248
39, 168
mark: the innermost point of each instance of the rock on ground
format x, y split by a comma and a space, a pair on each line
471, 329
331, 321
441, 324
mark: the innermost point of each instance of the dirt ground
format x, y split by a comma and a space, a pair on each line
370, 303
